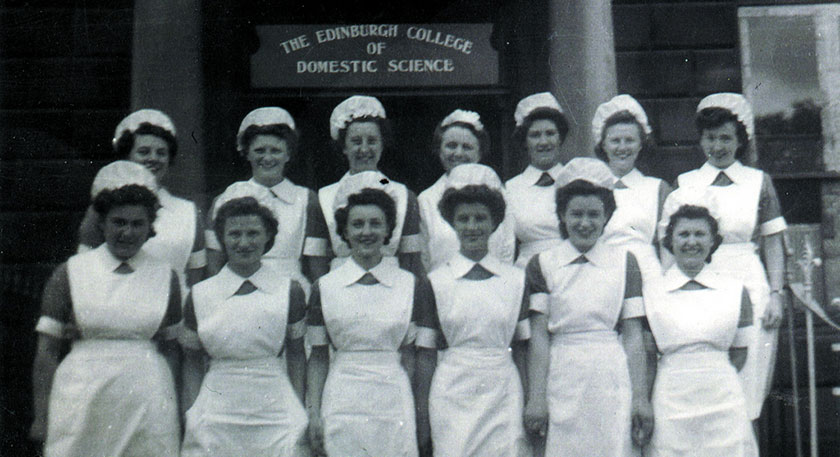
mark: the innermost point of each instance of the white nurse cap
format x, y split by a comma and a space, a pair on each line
588, 169
245, 189
133, 121
473, 174
735, 104
122, 173
467, 117
355, 107
618, 104
261, 117
687, 195
527, 105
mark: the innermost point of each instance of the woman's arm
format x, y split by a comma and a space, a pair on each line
774, 263
426, 362
296, 365
519, 351
407, 356
193, 369
738, 357
634, 346
43, 371
536, 405
316, 376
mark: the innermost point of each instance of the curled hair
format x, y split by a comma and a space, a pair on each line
482, 137
130, 195
126, 140
582, 188
281, 131
692, 212
245, 206
714, 117
520, 133
623, 117
384, 131
475, 193
367, 196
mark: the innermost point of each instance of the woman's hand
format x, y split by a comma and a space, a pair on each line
316, 435
38, 430
536, 417
642, 417
773, 314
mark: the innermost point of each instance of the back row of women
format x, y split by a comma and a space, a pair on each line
533, 320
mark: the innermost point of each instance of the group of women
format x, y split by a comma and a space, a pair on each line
580, 307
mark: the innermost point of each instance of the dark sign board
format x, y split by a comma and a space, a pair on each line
374, 55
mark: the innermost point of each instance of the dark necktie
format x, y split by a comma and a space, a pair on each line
581, 259
246, 288
722, 180
368, 280
620, 185
692, 285
545, 180
478, 273
124, 269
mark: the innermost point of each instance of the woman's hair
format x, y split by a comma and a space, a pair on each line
126, 140
475, 193
582, 188
482, 137
245, 206
623, 117
520, 133
367, 196
384, 130
130, 195
692, 212
714, 117
282, 131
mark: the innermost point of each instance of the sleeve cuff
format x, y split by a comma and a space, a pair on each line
539, 303
523, 330
743, 337
210, 240
633, 307
198, 259
189, 339
316, 247
317, 335
49, 326
773, 226
426, 338
296, 330
411, 243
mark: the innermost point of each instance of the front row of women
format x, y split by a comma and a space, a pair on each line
384, 390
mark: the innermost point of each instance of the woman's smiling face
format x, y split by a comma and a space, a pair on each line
268, 156
584, 218
363, 145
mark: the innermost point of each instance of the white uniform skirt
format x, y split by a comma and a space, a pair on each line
368, 406
475, 404
113, 398
699, 408
589, 396
246, 407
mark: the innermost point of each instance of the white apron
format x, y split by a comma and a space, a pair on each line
113, 395
738, 257
476, 399
534, 210
246, 405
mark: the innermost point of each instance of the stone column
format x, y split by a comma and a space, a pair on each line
167, 75
581, 65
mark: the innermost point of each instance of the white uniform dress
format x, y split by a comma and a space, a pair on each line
698, 403
584, 296
302, 231
748, 208
476, 399
633, 224
367, 404
534, 210
440, 239
113, 395
246, 405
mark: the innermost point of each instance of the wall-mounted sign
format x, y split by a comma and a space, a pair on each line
374, 55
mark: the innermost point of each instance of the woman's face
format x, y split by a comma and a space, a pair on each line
473, 224
363, 146
126, 228
244, 238
720, 144
268, 156
584, 218
458, 145
692, 242
366, 230
621, 144
152, 152
542, 140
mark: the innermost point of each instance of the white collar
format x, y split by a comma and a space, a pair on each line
460, 265
736, 172
264, 279
111, 263
282, 191
532, 174
350, 272
675, 279
598, 255
633, 178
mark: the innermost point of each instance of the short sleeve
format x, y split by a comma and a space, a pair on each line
523, 323
425, 315
316, 331
536, 286
198, 255
188, 336
296, 324
770, 217
634, 305
169, 326
411, 241
745, 321
316, 241
56, 304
